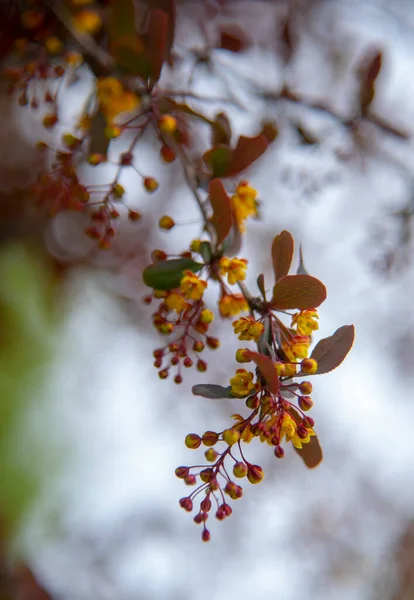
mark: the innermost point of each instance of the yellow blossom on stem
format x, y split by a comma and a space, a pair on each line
242, 383
87, 21
305, 321
297, 347
289, 429
175, 301
232, 304
248, 328
234, 268
191, 286
244, 203
114, 98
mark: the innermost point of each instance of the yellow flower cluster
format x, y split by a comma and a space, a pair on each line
305, 321
234, 268
191, 286
232, 304
242, 383
248, 329
297, 347
114, 98
288, 429
244, 203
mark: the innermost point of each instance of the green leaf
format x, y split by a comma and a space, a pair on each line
205, 251
222, 218
167, 274
298, 291
331, 351
282, 254
311, 453
211, 390
218, 160
267, 369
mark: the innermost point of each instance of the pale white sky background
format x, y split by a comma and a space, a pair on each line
110, 526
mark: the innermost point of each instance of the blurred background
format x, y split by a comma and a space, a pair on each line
90, 437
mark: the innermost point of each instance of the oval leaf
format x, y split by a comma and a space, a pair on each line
282, 254
261, 285
167, 274
247, 151
298, 291
210, 390
331, 351
267, 369
222, 218
311, 453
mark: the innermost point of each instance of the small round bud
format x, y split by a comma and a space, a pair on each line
201, 517
96, 159
167, 124
305, 403
211, 455
240, 469
150, 184
53, 45
126, 159
205, 536
279, 452
167, 154
267, 403
309, 366
50, 120
308, 422
214, 485
178, 379
166, 223
253, 402
187, 362
206, 317
134, 216
241, 355
195, 245
231, 436
302, 432
186, 504
201, 366
255, 474
206, 475
205, 505
118, 190
158, 255
213, 343
233, 490
192, 441
190, 480
163, 374
174, 361
210, 438
182, 472
198, 346
305, 388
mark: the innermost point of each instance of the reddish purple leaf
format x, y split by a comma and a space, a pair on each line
267, 369
156, 47
222, 218
233, 40
311, 453
298, 291
331, 351
282, 254
247, 150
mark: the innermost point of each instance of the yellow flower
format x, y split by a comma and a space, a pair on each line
289, 429
297, 347
114, 99
87, 21
232, 304
248, 328
246, 432
242, 383
234, 268
305, 321
175, 301
192, 287
244, 203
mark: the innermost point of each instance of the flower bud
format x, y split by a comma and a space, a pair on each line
186, 504
150, 184
302, 432
206, 475
190, 480
206, 317
205, 504
166, 223
201, 366
241, 355
212, 343
192, 441
187, 362
96, 159
305, 403
253, 402
167, 154
210, 438
305, 388
211, 455
231, 436
279, 452
182, 472
309, 366
134, 216
163, 374
178, 379
255, 474
308, 422
205, 536
158, 255
240, 469
198, 346
167, 124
